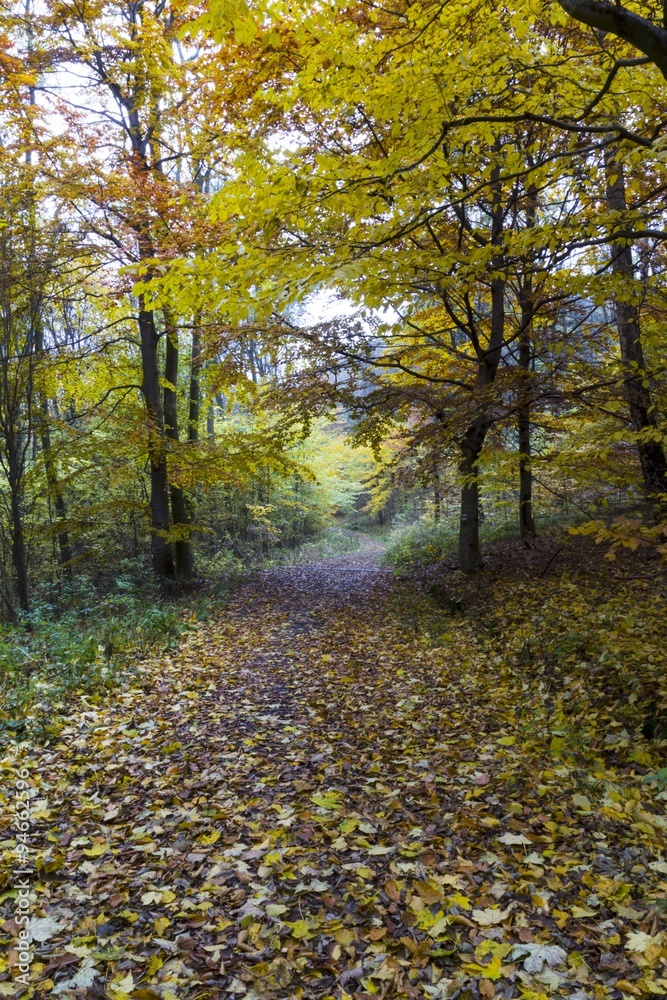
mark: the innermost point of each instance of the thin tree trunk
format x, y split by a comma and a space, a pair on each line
19, 554
195, 387
64, 548
162, 557
140, 167
210, 421
472, 442
179, 511
526, 518
637, 392
55, 492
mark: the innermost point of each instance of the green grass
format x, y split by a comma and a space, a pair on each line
420, 544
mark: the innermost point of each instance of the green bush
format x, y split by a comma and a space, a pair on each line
421, 544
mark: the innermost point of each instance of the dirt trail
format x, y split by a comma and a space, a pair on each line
311, 800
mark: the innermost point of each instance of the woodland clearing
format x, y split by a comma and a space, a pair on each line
335, 789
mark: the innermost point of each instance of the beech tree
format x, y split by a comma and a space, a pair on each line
648, 34
407, 214
128, 56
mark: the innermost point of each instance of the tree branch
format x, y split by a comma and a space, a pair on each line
645, 35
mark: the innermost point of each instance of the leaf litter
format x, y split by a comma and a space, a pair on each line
313, 799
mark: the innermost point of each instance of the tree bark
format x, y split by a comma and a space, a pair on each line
16, 403
637, 392
470, 555
179, 510
526, 518
647, 36
19, 554
472, 442
64, 547
195, 387
162, 556
55, 492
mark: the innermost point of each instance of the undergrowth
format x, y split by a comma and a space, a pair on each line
425, 542
82, 639
336, 541
583, 643
78, 640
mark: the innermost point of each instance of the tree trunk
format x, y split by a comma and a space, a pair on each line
195, 388
179, 511
526, 518
19, 554
210, 421
637, 392
472, 442
162, 557
64, 548
470, 556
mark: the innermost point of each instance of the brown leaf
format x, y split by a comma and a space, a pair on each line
58, 961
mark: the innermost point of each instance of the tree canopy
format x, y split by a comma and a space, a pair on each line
438, 225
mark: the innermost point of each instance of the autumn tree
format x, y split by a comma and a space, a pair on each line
130, 60
646, 33
411, 208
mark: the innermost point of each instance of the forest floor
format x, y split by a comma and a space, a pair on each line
334, 790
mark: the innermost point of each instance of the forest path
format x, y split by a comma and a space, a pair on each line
310, 799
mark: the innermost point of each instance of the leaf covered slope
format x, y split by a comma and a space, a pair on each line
318, 797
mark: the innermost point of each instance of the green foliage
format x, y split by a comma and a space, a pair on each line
82, 642
420, 544
336, 541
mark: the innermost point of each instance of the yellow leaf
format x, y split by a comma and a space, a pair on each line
121, 988
627, 987
96, 850
153, 896
300, 929
154, 964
